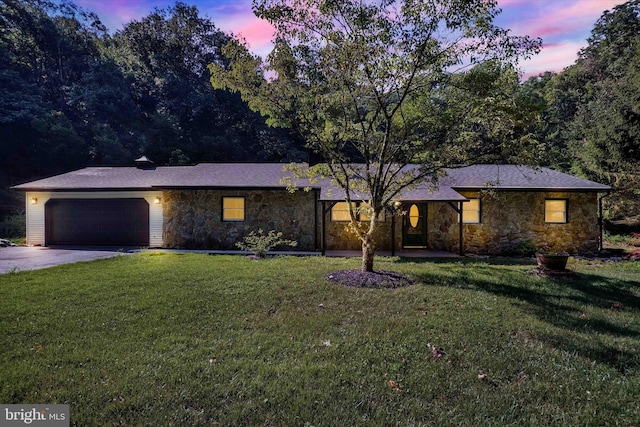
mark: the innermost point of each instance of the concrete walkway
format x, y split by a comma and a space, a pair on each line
21, 258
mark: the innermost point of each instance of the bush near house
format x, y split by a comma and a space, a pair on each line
13, 226
259, 243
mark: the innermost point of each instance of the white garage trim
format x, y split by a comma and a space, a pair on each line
35, 212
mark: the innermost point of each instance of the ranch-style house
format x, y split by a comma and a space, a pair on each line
482, 209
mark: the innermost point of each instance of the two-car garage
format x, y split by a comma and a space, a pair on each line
102, 222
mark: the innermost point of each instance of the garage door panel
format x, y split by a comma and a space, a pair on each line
108, 222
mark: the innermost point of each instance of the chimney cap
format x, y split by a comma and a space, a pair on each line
144, 163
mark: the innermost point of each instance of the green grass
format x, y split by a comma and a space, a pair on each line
188, 339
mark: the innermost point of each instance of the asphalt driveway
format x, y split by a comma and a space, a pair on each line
33, 258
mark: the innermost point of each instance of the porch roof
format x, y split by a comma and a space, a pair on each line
420, 194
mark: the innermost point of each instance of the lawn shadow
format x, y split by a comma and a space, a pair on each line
481, 260
576, 305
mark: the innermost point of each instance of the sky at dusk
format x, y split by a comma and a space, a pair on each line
563, 25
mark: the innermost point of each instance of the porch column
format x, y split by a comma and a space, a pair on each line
458, 209
460, 229
393, 235
601, 223
323, 231
325, 210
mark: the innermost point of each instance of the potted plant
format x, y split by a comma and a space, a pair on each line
551, 260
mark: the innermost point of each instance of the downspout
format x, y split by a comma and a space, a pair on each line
601, 222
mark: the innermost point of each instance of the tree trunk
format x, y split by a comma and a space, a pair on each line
368, 251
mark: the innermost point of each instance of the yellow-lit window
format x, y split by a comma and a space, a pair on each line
555, 211
233, 208
471, 212
340, 212
364, 216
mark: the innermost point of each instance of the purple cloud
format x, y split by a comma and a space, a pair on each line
563, 25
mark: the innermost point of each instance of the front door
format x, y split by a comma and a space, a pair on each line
414, 226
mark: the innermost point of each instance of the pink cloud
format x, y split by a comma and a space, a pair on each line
510, 3
549, 19
259, 34
553, 57
585, 9
238, 19
116, 13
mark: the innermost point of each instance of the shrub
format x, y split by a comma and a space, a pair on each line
13, 226
260, 243
525, 248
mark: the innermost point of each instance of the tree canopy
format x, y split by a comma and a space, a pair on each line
591, 120
74, 95
431, 82
378, 85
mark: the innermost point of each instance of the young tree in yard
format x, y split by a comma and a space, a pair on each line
368, 86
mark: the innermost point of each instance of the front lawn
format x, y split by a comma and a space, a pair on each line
188, 339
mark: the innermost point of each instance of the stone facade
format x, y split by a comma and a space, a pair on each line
193, 218
508, 219
339, 236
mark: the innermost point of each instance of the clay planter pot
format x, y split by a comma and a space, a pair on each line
552, 262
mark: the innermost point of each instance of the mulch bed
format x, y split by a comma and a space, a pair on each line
381, 279
552, 274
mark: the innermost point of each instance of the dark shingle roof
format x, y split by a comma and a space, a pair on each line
513, 177
107, 178
236, 175
212, 175
268, 175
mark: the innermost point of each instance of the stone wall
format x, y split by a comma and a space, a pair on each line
193, 218
512, 218
339, 236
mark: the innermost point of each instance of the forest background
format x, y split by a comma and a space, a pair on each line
74, 95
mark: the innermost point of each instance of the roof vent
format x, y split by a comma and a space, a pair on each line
145, 163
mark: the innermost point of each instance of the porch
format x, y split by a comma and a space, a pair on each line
402, 254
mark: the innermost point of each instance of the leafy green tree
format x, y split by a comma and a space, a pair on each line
555, 106
486, 112
598, 100
44, 49
165, 56
100, 102
368, 86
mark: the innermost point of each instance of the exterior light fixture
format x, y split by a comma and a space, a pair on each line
397, 204
34, 200
157, 200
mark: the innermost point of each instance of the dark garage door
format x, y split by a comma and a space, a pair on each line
106, 222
